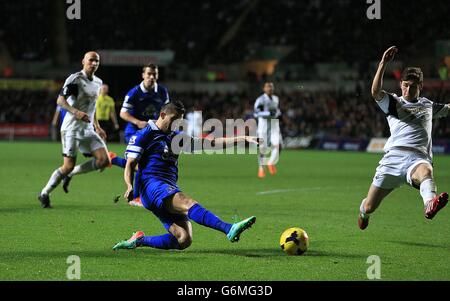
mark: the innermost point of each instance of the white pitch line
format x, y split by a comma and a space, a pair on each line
289, 190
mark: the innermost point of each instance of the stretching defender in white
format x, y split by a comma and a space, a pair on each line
267, 112
408, 154
80, 129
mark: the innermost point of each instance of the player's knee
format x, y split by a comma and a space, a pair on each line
102, 162
184, 241
427, 174
189, 203
67, 168
422, 173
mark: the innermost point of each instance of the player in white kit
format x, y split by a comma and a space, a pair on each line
408, 155
267, 112
80, 129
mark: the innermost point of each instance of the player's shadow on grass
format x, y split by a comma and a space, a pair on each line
90, 254
419, 244
176, 254
20, 209
83, 207
275, 252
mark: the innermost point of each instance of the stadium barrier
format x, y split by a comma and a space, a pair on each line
440, 146
343, 144
347, 144
297, 142
376, 145
12, 131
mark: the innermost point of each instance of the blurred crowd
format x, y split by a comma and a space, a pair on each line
330, 114
27, 106
219, 31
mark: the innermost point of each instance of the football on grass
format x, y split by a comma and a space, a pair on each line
294, 241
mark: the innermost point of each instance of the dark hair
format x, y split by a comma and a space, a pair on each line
412, 73
174, 107
151, 66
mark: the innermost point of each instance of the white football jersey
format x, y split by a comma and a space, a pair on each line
81, 93
267, 111
267, 107
410, 123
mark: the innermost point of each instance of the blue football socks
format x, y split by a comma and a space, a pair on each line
166, 241
118, 161
206, 218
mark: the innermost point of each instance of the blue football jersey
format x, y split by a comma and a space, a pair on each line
144, 105
152, 148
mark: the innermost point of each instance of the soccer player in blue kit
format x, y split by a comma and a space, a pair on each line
158, 165
143, 102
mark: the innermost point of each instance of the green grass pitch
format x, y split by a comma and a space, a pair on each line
317, 191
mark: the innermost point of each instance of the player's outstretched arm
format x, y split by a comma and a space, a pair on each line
62, 102
128, 176
377, 83
231, 141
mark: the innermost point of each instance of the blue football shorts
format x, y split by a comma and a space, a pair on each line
153, 194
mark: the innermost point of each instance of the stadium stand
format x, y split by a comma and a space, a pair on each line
223, 32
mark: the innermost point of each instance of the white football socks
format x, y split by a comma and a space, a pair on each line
274, 156
85, 167
362, 210
261, 159
54, 181
427, 190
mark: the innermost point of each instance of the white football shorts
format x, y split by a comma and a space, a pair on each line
395, 168
270, 132
86, 141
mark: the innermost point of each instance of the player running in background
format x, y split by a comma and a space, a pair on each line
266, 110
408, 155
141, 104
80, 129
154, 148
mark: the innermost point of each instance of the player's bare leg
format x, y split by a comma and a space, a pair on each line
422, 176
57, 176
100, 161
180, 204
370, 204
182, 230
68, 165
179, 237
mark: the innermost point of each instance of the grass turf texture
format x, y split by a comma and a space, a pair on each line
317, 191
